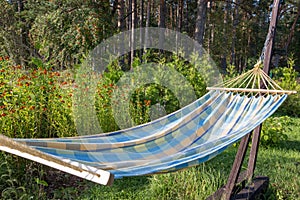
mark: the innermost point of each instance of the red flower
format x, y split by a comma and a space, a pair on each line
3, 115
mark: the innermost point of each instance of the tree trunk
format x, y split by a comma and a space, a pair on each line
22, 43
210, 26
129, 25
121, 21
200, 21
180, 15
235, 17
147, 40
162, 23
225, 36
141, 30
171, 16
292, 31
133, 26
121, 27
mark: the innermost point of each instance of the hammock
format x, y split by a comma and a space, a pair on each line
185, 138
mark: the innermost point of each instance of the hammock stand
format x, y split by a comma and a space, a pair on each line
236, 187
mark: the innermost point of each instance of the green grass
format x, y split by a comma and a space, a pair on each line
281, 164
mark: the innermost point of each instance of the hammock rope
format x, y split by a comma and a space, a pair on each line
252, 83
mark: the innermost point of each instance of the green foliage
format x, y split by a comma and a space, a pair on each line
57, 32
287, 78
13, 183
35, 102
274, 131
149, 100
231, 72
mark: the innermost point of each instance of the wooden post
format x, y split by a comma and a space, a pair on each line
267, 60
227, 192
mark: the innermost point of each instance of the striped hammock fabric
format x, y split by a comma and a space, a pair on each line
185, 138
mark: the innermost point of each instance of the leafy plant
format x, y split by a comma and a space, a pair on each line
274, 130
287, 79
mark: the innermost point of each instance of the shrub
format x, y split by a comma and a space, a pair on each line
287, 79
34, 102
274, 130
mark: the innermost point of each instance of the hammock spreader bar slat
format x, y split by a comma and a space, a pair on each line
78, 169
252, 90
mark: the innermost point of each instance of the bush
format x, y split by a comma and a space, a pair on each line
287, 79
274, 130
35, 102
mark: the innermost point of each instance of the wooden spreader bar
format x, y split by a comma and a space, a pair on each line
246, 90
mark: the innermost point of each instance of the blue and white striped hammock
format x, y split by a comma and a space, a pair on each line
185, 138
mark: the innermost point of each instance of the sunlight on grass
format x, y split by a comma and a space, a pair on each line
280, 164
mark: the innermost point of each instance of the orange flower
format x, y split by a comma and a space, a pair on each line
19, 67
6, 58
31, 107
1, 58
147, 102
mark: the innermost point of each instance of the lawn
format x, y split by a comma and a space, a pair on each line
281, 164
